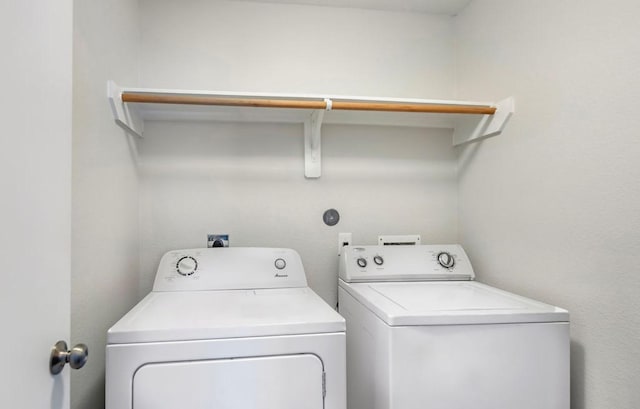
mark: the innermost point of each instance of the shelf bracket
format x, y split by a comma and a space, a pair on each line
476, 129
313, 144
124, 116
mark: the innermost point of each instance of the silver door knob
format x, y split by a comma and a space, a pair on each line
76, 357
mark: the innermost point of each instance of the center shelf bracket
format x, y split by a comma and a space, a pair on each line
313, 143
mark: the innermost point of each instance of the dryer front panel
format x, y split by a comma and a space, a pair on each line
274, 382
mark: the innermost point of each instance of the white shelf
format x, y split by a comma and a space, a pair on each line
189, 105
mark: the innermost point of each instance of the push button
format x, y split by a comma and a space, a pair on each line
280, 263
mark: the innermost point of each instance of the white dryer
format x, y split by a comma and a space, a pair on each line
228, 328
422, 334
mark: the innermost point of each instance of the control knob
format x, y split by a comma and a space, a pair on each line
280, 263
361, 262
446, 260
186, 266
378, 260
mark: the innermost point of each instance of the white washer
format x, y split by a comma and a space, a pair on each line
228, 328
422, 334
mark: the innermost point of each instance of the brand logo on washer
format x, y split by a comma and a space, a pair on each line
281, 275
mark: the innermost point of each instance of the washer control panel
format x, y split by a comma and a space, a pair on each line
446, 260
405, 263
225, 268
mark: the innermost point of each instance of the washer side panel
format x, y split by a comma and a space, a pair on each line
367, 355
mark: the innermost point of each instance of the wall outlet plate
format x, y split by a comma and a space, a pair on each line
344, 239
217, 240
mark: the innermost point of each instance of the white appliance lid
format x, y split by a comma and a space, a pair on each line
449, 303
196, 315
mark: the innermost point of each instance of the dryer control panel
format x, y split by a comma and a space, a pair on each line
405, 263
229, 268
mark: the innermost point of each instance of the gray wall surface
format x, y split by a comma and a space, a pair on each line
247, 180
549, 209
105, 241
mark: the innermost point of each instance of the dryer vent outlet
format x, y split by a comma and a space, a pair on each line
399, 240
217, 240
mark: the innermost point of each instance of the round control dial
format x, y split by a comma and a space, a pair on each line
446, 260
280, 263
361, 262
186, 266
378, 260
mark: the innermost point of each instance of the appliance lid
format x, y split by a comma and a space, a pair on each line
197, 315
449, 303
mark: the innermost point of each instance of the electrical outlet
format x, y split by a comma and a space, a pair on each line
344, 239
217, 240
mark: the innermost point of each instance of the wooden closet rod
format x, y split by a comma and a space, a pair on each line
305, 104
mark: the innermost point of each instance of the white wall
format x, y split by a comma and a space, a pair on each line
244, 46
247, 180
105, 187
549, 209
